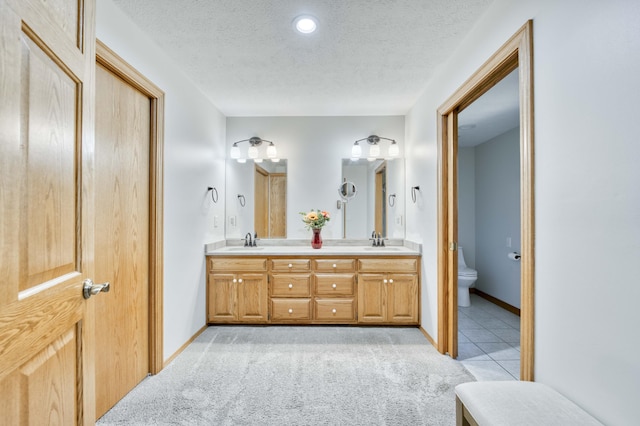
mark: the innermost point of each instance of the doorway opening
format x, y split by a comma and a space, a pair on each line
516, 53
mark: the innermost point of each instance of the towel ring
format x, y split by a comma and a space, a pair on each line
214, 193
392, 200
414, 191
242, 200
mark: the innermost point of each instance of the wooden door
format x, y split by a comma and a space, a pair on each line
278, 205
46, 211
261, 203
372, 297
252, 297
402, 293
222, 297
123, 128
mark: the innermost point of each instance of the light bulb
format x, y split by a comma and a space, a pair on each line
242, 160
374, 151
253, 152
258, 160
356, 151
235, 151
394, 149
275, 160
271, 151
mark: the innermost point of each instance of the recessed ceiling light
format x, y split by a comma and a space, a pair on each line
306, 24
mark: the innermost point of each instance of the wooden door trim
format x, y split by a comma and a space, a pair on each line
516, 52
118, 66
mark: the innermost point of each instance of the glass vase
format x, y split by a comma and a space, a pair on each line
316, 238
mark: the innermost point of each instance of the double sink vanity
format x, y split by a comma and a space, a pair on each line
295, 284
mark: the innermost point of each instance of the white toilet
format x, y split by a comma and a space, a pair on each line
466, 278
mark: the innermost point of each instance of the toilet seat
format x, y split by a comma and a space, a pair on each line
467, 272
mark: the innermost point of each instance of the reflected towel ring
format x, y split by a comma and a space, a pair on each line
414, 190
242, 200
392, 200
214, 193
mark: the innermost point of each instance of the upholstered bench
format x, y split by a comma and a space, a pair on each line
516, 403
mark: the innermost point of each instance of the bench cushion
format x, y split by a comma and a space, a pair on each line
520, 403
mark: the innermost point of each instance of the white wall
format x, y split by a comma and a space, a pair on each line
193, 160
587, 202
467, 204
497, 198
314, 148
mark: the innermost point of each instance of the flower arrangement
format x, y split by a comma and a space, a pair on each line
315, 219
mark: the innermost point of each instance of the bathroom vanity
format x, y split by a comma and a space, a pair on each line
299, 285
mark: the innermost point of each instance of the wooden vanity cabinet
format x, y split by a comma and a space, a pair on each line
316, 290
237, 290
388, 291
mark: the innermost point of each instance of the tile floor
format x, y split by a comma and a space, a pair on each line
489, 341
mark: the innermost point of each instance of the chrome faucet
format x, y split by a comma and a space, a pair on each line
247, 240
377, 239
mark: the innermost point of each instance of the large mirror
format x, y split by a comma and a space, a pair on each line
256, 199
378, 205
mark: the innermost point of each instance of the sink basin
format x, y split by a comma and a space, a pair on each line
382, 248
244, 248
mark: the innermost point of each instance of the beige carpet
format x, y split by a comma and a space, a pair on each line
236, 375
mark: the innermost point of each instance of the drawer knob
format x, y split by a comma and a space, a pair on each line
290, 285
385, 281
390, 281
334, 310
291, 265
290, 310
335, 266
334, 285
240, 280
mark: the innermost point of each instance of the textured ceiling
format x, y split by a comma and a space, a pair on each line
368, 57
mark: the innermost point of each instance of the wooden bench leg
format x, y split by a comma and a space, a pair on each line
463, 417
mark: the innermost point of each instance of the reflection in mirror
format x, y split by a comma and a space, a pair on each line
347, 191
264, 187
374, 209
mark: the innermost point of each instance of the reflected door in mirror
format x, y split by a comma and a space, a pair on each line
270, 204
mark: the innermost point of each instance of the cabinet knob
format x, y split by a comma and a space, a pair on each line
385, 281
290, 285
391, 281
335, 266
235, 281
290, 265
240, 280
334, 310
334, 285
290, 310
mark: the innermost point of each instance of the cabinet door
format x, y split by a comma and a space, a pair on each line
372, 295
222, 298
252, 297
402, 290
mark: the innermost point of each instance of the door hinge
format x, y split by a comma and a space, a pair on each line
453, 246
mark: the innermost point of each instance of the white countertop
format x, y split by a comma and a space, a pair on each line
307, 250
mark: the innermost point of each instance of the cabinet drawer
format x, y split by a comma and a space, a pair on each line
388, 265
291, 285
230, 264
334, 265
290, 309
335, 284
335, 309
290, 265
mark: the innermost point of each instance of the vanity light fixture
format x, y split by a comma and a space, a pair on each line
374, 150
305, 24
253, 152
